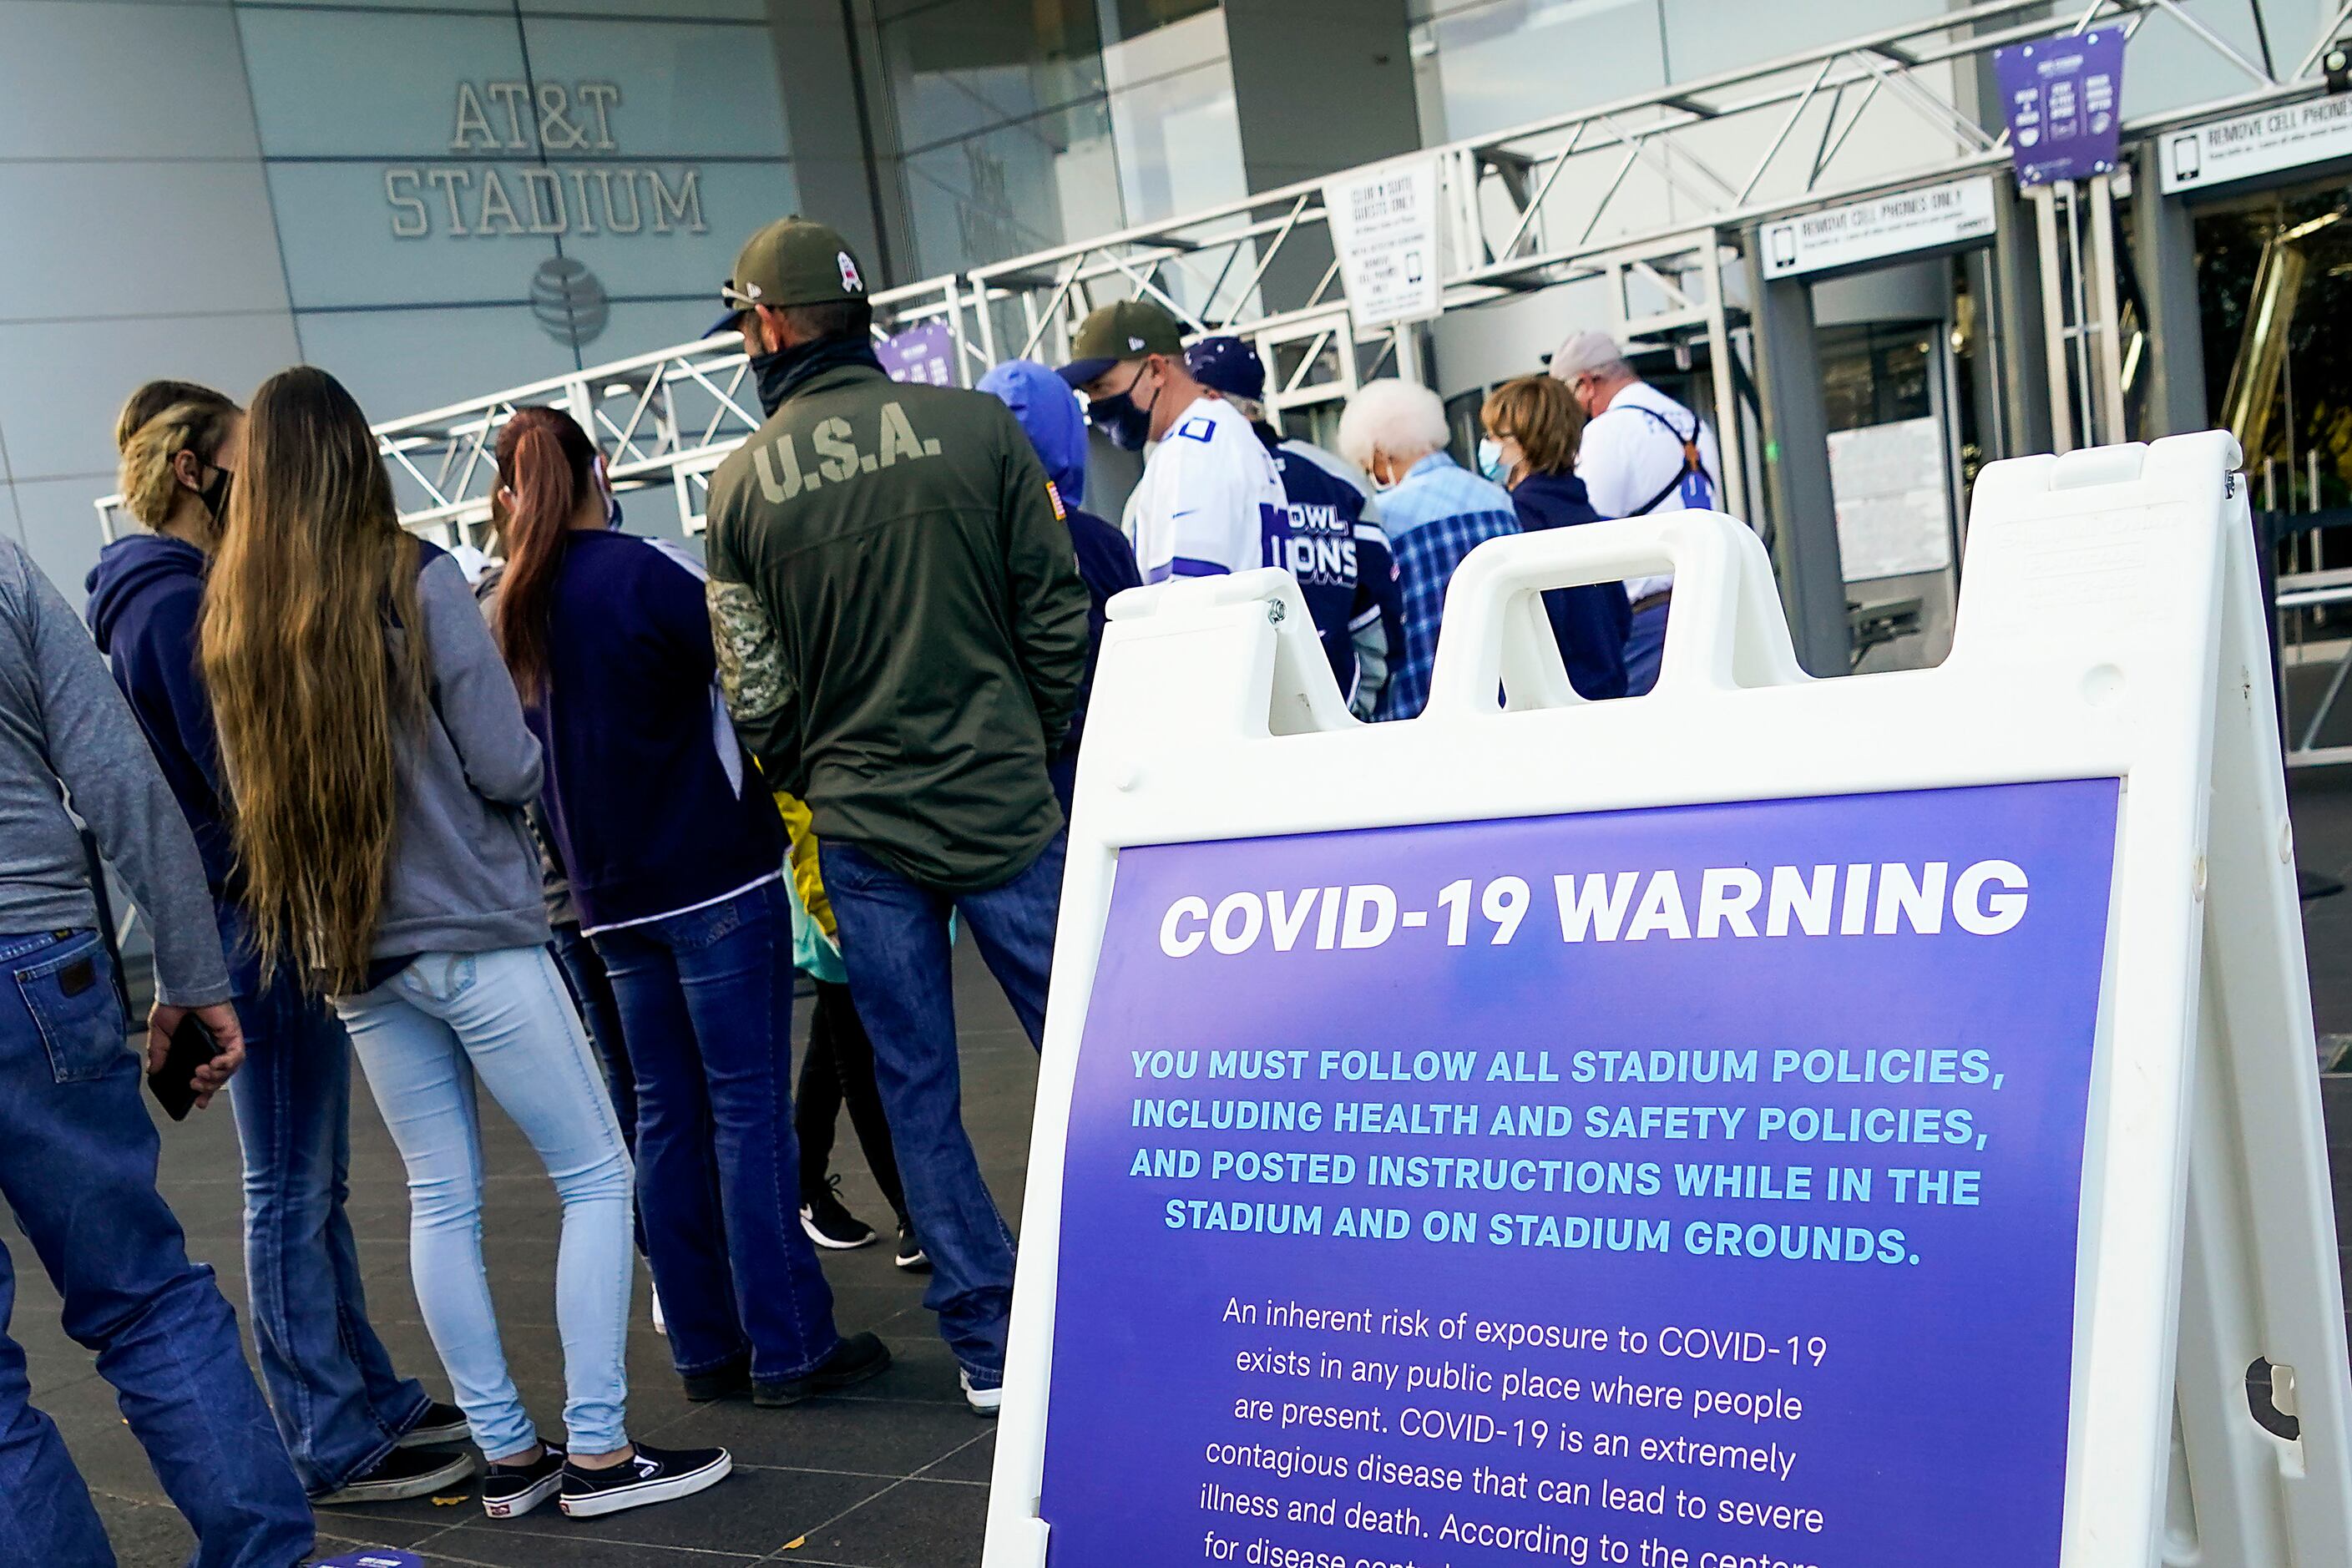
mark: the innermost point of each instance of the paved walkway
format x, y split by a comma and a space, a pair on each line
893, 1477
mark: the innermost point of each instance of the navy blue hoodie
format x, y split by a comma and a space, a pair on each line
1048, 411
1589, 622
645, 815
146, 602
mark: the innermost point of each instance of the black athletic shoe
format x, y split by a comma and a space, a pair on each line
911, 1256
403, 1473
440, 1425
509, 1491
833, 1227
650, 1475
853, 1361
729, 1382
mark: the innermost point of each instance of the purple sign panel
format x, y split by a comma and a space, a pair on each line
2064, 98
925, 354
1691, 1187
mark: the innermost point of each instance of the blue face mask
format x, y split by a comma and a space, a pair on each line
1120, 417
1490, 460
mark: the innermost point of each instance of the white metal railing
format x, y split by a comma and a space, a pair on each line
1649, 192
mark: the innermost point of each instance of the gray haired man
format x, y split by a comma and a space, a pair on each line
1643, 454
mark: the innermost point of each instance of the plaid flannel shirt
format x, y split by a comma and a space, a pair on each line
1436, 515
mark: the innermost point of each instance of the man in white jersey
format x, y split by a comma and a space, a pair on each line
1212, 495
1641, 455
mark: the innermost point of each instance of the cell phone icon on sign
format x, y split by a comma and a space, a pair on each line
2188, 158
1782, 240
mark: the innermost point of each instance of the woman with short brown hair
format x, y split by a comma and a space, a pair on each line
1532, 425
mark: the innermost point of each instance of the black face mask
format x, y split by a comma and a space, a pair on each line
214, 495
1127, 422
781, 373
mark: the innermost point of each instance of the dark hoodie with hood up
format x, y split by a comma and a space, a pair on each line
1049, 415
146, 602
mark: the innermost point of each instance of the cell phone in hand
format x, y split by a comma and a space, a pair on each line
174, 1084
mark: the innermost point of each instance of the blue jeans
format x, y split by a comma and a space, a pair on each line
600, 1014
77, 1167
340, 1404
706, 1002
1645, 647
422, 1037
894, 943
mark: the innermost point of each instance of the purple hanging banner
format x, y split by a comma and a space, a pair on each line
925, 354
2064, 100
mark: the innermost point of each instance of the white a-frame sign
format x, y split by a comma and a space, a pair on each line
1771, 1123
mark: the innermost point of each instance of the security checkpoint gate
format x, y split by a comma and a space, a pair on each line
1834, 1122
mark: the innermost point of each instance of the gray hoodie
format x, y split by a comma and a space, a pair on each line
64, 725
464, 875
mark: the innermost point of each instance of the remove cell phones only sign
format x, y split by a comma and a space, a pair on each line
2258, 143
1955, 213
1678, 1186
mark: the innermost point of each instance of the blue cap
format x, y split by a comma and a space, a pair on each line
1228, 365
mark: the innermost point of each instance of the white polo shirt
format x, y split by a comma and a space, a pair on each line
1210, 492
1627, 456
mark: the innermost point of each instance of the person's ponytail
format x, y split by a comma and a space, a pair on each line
546, 462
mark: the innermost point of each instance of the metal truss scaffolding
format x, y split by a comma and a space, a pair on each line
1657, 194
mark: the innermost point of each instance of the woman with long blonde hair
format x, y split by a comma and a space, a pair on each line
380, 765
356, 1429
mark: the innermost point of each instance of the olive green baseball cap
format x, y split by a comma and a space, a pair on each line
1127, 330
792, 261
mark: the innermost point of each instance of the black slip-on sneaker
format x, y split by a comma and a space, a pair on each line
651, 1474
830, 1223
440, 1425
509, 1491
911, 1256
403, 1473
853, 1361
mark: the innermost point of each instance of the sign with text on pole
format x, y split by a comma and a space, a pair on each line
1836, 1122
924, 353
2064, 100
1384, 225
1957, 212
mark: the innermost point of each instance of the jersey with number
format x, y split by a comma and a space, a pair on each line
1210, 494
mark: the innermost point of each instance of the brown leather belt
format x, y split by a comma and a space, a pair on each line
1653, 601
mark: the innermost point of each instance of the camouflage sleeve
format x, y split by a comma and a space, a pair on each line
759, 694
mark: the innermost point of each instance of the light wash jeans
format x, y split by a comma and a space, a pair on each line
422, 1037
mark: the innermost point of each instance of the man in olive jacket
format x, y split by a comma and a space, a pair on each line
901, 629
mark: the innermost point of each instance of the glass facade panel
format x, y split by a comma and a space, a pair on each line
1022, 127
1500, 63
1014, 189
1174, 118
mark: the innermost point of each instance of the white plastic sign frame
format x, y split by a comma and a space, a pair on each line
2109, 627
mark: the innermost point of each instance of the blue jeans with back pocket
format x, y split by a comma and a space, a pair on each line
78, 1157
501, 1020
706, 1005
894, 944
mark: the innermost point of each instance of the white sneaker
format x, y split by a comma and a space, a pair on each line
661, 1324
982, 1401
